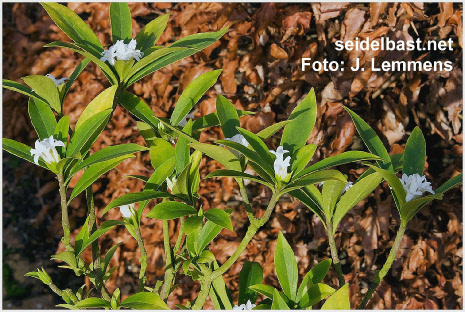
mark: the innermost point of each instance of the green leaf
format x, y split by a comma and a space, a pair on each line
66, 256
211, 120
61, 133
138, 108
258, 145
102, 102
296, 134
146, 132
227, 115
372, 141
278, 302
121, 23
108, 153
269, 131
42, 118
21, 150
219, 217
132, 198
192, 94
83, 139
94, 172
314, 276
453, 182
409, 209
181, 187
304, 199
92, 302
192, 223
78, 70
81, 238
396, 186
104, 227
315, 294
339, 300
209, 231
160, 152
45, 88
108, 256
193, 43
149, 35
286, 267
220, 290
171, 210
94, 58
182, 150
15, 86
330, 193
236, 175
220, 154
315, 178
303, 157
73, 26
251, 274
354, 195
415, 153
264, 290
343, 158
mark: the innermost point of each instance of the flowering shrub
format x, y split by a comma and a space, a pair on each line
176, 152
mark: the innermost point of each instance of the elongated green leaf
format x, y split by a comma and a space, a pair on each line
108, 153
251, 274
144, 301
409, 209
296, 134
315, 294
171, 210
94, 58
191, 224
220, 154
343, 158
102, 102
278, 302
146, 132
108, 256
269, 131
314, 276
92, 302
182, 150
372, 141
258, 145
303, 157
192, 94
121, 24
74, 76
195, 43
219, 217
15, 86
138, 108
160, 151
149, 35
211, 120
354, 195
453, 182
415, 153
314, 178
66, 256
263, 289
304, 199
81, 238
45, 88
132, 198
314, 194
219, 288
83, 139
339, 300
21, 150
42, 118
286, 267
94, 172
104, 227
209, 231
227, 116
237, 174
395, 184
330, 193
73, 26
61, 133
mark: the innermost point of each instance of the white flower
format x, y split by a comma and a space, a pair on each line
57, 81
171, 183
248, 306
280, 164
127, 210
347, 187
122, 51
46, 150
238, 138
415, 185
183, 122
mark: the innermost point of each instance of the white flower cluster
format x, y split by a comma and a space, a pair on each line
238, 138
415, 185
280, 164
57, 81
247, 306
127, 210
122, 51
46, 150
